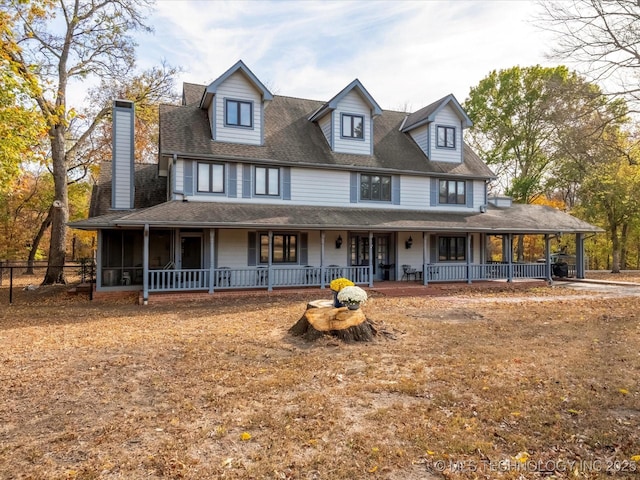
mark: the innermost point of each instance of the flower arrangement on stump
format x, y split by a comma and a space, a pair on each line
353, 297
337, 285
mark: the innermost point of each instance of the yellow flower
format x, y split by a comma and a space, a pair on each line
339, 283
245, 436
624, 391
635, 458
522, 457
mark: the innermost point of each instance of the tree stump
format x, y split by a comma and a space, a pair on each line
322, 319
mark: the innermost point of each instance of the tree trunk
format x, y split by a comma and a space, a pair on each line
58, 245
347, 325
624, 246
36, 241
615, 243
520, 249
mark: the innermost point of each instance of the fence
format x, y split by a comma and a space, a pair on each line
20, 275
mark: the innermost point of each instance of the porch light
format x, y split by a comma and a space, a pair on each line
409, 243
339, 241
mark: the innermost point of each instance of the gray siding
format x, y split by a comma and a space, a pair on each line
446, 117
237, 87
352, 103
122, 165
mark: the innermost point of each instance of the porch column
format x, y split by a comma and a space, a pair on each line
145, 265
509, 245
370, 259
425, 267
580, 268
468, 258
212, 258
547, 256
99, 261
270, 256
322, 238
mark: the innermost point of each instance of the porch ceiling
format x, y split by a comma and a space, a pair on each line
516, 219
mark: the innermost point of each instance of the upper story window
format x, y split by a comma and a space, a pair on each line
267, 181
375, 187
352, 126
210, 178
238, 113
283, 250
446, 137
452, 192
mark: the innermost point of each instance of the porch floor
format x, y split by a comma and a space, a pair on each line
387, 289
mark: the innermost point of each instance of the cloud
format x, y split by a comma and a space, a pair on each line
405, 53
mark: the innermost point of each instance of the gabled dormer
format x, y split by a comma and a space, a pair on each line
235, 103
437, 129
347, 120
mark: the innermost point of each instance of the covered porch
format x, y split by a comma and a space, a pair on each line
208, 247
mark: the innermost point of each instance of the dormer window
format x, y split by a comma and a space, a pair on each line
352, 126
238, 113
446, 137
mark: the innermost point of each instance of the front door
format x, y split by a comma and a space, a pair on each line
359, 254
191, 251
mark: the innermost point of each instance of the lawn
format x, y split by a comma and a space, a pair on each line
503, 384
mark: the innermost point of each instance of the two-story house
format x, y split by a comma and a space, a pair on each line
255, 190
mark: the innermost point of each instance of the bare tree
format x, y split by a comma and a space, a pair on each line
602, 37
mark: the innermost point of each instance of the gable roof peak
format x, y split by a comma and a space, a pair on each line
239, 66
333, 103
428, 114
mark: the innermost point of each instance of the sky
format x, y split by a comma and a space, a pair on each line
407, 54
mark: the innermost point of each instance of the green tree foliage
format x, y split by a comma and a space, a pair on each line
21, 127
50, 46
610, 190
521, 116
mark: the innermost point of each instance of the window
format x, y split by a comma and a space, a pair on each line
239, 114
452, 249
452, 192
210, 177
375, 187
267, 181
284, 249
352, 126
446, 137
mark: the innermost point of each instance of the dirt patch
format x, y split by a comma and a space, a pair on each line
217, 389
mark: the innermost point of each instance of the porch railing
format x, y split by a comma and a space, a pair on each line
310, 276
177, 280
260, 277
443, 272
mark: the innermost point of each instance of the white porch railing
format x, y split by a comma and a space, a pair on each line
178, 280
260, 277
309, 276
443, 272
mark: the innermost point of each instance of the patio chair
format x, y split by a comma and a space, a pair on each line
409, 271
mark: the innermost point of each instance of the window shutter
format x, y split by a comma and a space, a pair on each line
469, 192
188, 178
246, 181
433, 248
354, 188
304, 248
395, 190
286, 183
232, 178
252, 253
434, 192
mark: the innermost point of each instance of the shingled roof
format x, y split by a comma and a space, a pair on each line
150, 189
533, 219
290, 138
